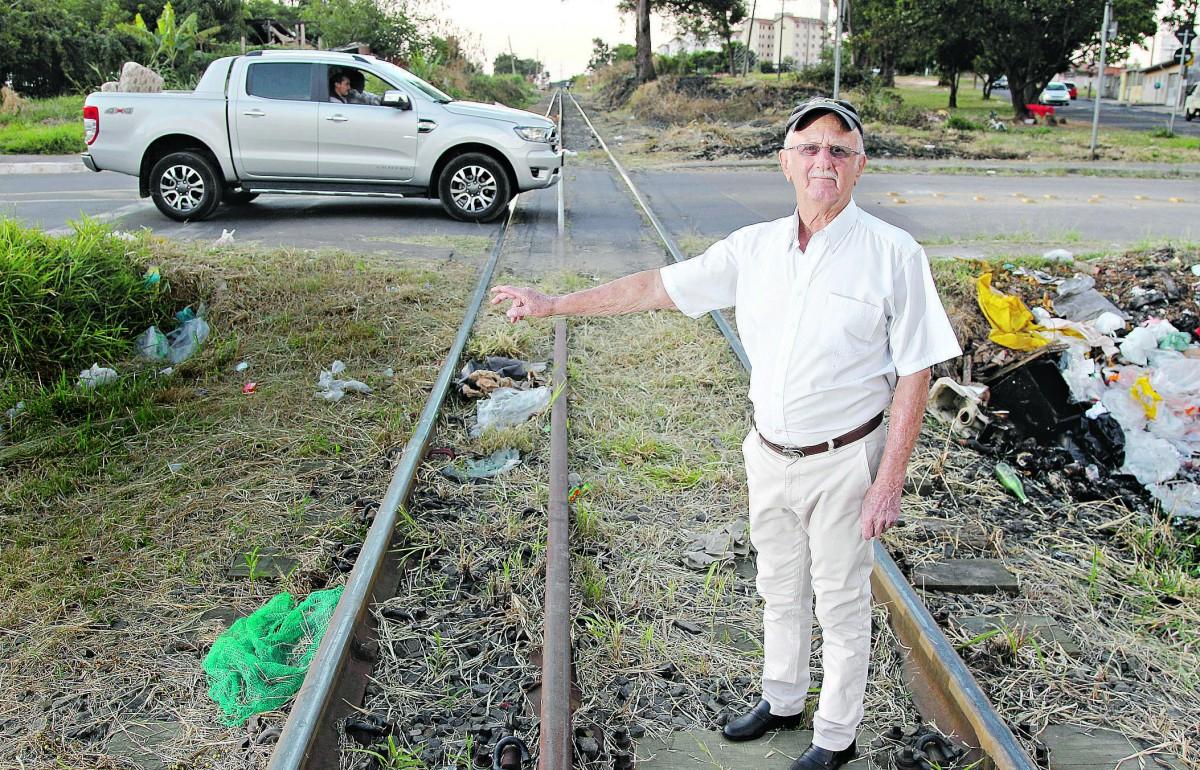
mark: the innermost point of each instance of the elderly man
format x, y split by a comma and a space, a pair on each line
840, 318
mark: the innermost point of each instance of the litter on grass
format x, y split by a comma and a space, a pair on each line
500, 461
260, 662
179, 345
226, 239
507, 407
725, 544
331, 388
96, 376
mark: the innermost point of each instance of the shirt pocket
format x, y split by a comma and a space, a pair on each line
852, 325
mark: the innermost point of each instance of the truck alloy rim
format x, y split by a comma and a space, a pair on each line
182, 187
473, 188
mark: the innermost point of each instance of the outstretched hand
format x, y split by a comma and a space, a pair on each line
526, 302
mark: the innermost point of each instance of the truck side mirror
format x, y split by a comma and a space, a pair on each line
397, 99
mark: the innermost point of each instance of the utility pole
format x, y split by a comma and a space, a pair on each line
749, 36
1184, 56
1100, 76
512, 57
779, 58
837, 50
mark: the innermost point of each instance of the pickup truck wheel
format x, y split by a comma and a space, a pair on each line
240, 198
185, 186
474, 188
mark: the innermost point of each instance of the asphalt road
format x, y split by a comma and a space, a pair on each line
1115, 115
955, 214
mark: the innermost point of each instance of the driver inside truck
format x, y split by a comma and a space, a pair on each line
341, 89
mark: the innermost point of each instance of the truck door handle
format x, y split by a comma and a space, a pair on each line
338, 118
254, 113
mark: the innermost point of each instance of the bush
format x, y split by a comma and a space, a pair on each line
66, 302
56, 139
960, 123
509, 90
876, 104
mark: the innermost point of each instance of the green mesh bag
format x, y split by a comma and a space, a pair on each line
260, 662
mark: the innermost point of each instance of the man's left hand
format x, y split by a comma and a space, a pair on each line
880, 507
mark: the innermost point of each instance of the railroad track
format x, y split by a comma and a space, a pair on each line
341, 672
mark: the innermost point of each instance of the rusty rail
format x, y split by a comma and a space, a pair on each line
556, 748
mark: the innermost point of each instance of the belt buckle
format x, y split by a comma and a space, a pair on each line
794, 452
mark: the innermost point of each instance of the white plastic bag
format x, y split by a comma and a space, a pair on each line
1178, 499
1138, 344
1149, 459
152, 344
96, 376
333, 389
507, 407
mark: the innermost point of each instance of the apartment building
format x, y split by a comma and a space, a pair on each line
799, 37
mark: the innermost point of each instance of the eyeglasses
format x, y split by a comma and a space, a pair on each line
836, 151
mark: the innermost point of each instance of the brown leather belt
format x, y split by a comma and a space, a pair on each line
862, 431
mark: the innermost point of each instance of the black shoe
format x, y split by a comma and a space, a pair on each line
756, 722
817, 758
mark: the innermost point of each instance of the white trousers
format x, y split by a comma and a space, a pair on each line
804, 522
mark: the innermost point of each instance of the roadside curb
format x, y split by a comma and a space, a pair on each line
42, 167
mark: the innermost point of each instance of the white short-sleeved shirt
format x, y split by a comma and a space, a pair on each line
828, 329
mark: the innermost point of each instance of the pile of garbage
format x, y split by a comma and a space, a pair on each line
1090, 396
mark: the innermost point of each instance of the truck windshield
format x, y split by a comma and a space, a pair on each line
410, 79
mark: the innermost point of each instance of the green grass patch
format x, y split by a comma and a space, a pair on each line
43, 127
52, 139
67, 302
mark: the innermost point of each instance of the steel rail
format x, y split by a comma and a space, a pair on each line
956, 693
672, 248
307, 719
556, 747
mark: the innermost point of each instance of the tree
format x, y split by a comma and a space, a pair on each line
884, 31
602, 55
954, 47
645, 56
506, 63
708, 19
1033, 40
389, 33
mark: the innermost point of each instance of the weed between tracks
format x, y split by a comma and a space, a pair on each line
113, 563
657, 415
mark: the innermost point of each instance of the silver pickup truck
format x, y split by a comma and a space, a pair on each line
316, 122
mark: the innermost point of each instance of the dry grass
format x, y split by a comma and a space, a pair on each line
109, 557
1110, 577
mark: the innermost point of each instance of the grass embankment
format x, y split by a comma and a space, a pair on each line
122, 510
42, 126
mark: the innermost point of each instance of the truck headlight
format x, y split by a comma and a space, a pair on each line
535, 133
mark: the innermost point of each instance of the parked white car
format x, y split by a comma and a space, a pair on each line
1055, 94
287, 122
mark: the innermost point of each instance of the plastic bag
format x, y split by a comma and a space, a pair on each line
508, 407
1149, 459
153, 344
1011, 322
1145, 394
96, 376
1138, 344
497, 462
1108, 323
1078, 300
1082, 376
333, 389
1178, 499
189, 336
1128, 413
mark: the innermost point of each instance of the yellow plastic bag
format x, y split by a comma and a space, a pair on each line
1012, 323
1145, 394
